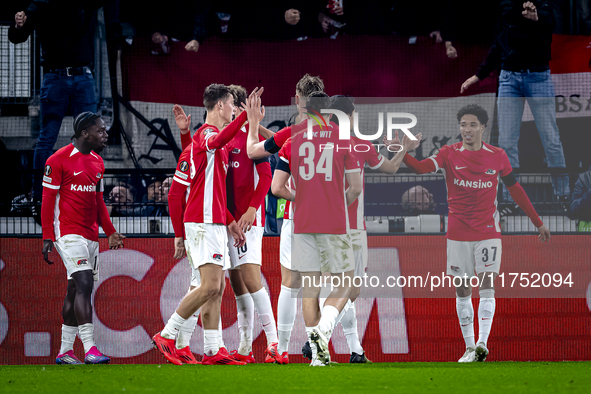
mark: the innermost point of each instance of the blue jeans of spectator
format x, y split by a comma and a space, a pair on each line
537, 88
57, 91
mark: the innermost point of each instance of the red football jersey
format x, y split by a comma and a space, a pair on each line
318, 168
202, 167
204, 171
77, 178
243, 179
472, 179
364, 152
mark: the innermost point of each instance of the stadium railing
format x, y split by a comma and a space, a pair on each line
137, 202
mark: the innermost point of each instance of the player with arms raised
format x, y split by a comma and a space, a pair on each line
205, 218
248, 183
71, 211
472, 170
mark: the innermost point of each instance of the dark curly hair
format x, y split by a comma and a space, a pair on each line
476, 110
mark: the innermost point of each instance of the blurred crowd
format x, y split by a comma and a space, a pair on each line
122, 198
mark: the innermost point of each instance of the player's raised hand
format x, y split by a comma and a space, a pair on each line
236, 232
409, 144
116, 241
470, 81
47, 248
530, 11
246, 221
254, 110
179, 247
183, 121
394, 141
19, 19
544, 233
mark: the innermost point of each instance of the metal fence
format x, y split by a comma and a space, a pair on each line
138, 204
17, 69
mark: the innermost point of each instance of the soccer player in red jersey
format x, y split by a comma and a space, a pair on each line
472, 170
364, 152
319, 164
290, 279
248, 183
71, 211
205, 216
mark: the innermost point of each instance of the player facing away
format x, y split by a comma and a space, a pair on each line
319, 163
205, 216
472, 170
248, 182
290, 279
364, 152
72, 209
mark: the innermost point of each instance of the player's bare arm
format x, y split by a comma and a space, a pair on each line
116, 241
522, 200
236, 232
544, 233
246, 221
179, 247
355, 186
47, 248
265, 133
279, 185
391, 166
255, 148
183, 121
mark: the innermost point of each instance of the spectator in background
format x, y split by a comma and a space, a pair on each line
416, 201
66, 34
165, 189
584, 17
153, 203
522, 52
580, 206
121, 199
181, 20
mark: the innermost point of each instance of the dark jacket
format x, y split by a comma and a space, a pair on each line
65, 29
522, 43
580, 206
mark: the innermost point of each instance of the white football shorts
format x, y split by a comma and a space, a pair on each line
322, 252
359, 240
251, 252
206, 243
78, 254
286, 238
467, 257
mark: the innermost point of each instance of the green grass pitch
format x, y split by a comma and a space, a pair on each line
494, 377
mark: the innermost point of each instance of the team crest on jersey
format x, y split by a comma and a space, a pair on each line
207, 131
184, 166
236, 151
82, 262
217, 257
490, 172
455, 269
48, 170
